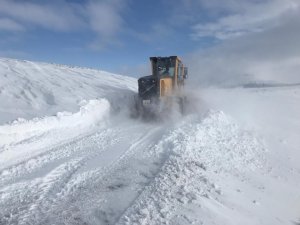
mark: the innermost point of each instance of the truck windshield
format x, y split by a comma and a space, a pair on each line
165, 67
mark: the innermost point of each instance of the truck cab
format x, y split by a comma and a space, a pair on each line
168, 75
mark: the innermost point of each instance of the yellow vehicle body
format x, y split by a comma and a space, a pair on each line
166, 87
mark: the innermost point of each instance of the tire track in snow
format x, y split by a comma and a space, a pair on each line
104, 188
64, 179
32, 195
50, 189
72, 191
88, 188
44, 192
161, 183
64, 186
58, 152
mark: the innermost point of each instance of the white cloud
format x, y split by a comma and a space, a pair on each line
56, 15
103, 17
10, 25
242, 17
106, 21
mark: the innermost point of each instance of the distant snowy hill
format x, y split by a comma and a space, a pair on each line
31, 89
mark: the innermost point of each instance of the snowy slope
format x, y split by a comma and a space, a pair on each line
29, 89
80, 159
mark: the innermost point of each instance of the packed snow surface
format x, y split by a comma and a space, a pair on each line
71, 154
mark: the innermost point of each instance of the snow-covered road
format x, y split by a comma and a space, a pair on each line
44, 176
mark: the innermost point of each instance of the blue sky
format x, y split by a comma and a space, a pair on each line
120, 35
125, 35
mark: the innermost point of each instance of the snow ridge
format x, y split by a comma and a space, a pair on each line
199, 148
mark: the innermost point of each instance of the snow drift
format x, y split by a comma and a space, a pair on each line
202, 148
91, 113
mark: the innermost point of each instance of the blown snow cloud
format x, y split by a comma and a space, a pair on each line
257, 41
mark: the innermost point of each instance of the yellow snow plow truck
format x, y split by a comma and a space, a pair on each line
163, 90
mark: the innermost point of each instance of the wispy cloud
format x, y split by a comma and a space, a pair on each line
244, 17
106, 21
10, 25
225, 19
103, 18
55, 15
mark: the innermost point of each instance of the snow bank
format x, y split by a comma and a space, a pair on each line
198, 148
91, 112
